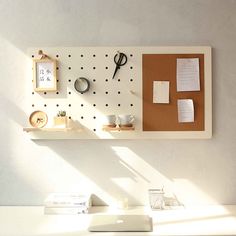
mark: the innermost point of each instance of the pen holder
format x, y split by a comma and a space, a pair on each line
60, 121
156, 199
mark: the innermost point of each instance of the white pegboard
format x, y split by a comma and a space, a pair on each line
106, 95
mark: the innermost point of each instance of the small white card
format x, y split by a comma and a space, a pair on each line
188, 74
185, 110
161, 91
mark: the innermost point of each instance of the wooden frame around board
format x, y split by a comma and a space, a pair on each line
44, 75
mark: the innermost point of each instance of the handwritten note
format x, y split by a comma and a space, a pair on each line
185, 110
188, 74
161, 91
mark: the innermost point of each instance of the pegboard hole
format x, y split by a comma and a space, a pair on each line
94, 80
106, 92
69, 105
82, 55
131, 80
32, 56
118, 92
94, 55
94, 117
57, 55
69, 80
82, 117
131, 67
45, 93
57, 105
69, 117
106, 55
106, 67
118, 80
81, 67
32, 93
69, 55
94, 68
82, 105
106, 105
131, 105
106, 80
94, 92
69, 68
69, 92
57, 80
45, 105
94, 130
57, 92
131, 55
32, 105
94, 105
118, 105
57, 68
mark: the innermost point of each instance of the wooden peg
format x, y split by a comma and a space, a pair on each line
43, 56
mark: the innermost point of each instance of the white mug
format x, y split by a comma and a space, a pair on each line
125, 119
109, 120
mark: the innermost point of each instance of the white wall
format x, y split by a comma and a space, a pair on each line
197, 171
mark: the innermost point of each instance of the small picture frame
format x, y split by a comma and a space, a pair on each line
44, 75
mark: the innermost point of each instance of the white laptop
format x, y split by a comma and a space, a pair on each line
120, 223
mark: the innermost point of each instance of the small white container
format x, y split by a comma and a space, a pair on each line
156, 199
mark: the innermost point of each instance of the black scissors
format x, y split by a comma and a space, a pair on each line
120, 59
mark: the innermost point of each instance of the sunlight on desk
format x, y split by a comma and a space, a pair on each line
201, 220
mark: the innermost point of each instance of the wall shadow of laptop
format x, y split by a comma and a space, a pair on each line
120, 223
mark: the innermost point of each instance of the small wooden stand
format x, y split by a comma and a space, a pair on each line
51, 129
117, 128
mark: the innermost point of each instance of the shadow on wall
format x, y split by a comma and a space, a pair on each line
114, 169
15, 188
127, 169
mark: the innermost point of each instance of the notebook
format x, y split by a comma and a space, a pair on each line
120, 223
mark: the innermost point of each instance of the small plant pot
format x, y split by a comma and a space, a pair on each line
60, 121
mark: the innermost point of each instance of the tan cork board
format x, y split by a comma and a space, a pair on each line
164, 117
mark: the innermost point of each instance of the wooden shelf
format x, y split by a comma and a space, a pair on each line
51, 129
117, 128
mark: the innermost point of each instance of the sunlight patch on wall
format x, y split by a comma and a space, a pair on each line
142, 170
190, 194
51, 173
143, 177
14, 71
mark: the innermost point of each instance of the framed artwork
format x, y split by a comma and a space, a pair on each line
44, 75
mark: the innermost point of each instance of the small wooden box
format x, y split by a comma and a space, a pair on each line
60, 121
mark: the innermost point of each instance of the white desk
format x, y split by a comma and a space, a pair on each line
204, 220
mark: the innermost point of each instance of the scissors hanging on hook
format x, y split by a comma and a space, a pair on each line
120, 59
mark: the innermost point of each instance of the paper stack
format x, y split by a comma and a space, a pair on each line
67, 203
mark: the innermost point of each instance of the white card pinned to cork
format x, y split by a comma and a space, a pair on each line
161, 92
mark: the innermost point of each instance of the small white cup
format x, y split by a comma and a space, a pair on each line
123, 203
109, 120
125, 119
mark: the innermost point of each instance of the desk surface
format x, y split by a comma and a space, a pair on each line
201, 220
